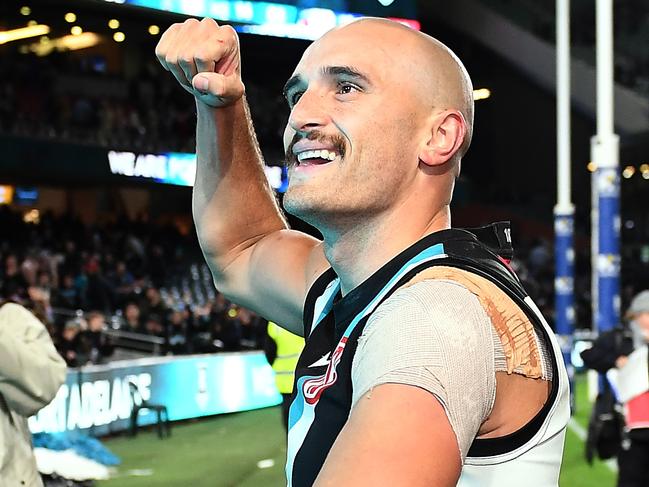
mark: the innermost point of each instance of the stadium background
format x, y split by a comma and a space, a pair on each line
96, 145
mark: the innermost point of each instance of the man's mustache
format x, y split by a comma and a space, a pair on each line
337, 142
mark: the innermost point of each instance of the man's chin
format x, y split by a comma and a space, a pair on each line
296, 204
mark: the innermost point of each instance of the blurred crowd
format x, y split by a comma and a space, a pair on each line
133, 276
75, 99
126, 276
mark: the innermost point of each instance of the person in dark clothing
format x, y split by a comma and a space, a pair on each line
69, 346
132, 318
14, 285
178, 329
93, 342
67, 295
153, 305
98, 293
608, 347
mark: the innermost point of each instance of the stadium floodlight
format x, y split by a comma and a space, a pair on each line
24, 33
628, 172
65, 43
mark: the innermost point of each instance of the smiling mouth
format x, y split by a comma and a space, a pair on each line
316, 157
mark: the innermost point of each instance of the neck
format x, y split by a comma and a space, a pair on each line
359, 250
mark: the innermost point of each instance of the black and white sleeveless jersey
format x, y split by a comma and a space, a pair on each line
333, 324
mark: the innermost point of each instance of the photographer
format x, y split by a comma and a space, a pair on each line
612, 350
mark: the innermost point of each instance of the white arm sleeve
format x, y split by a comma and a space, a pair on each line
434, 335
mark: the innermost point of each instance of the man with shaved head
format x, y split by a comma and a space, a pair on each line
426, 363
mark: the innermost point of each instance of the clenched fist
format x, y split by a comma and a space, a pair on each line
205, 59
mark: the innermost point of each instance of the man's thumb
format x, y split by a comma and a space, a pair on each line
218, 85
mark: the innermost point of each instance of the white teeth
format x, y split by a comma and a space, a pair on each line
317, 154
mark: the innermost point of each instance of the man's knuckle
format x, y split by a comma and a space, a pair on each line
185, 59
228, 32
202, 57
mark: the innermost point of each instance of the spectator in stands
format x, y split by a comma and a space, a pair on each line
154, 326
132, 317
39, 303
69, 346
67, 295
253, 329
153, 304
178, 332
121, 281
14, 284
157, 266
70, 258
94, 344
98, 295
229, 330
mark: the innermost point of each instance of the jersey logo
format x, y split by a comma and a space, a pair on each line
313, 388
324, 360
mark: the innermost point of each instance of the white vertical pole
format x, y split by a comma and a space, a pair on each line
564, 253
604, 23
564, 202
607, 177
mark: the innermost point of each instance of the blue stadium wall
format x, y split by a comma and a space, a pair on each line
97, 400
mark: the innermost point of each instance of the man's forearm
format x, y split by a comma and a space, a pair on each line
233, 203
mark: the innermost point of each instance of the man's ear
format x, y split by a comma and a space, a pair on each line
446, 136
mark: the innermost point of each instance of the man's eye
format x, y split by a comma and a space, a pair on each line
295, 97
346, 88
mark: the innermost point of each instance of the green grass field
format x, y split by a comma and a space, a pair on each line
225, 451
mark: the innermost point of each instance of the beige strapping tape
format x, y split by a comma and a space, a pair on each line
514, 329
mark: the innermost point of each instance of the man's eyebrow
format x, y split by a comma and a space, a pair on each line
345, 71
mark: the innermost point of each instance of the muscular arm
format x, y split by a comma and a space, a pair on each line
397, 435
255, 259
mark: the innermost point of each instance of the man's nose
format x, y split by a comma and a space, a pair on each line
310, 112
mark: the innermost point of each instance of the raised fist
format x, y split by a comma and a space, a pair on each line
205, 59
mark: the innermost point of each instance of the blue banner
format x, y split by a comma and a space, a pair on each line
98, 400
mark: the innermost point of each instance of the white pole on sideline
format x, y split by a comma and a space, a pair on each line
605, 152
564, 209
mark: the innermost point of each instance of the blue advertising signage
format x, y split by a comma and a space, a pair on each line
177, 168
97, 399
298, 19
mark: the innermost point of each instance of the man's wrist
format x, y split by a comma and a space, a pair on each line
205, 110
